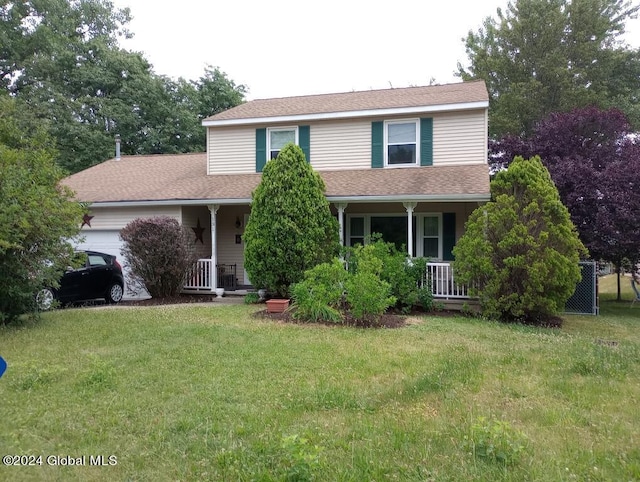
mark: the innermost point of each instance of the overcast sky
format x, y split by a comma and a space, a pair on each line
281, 48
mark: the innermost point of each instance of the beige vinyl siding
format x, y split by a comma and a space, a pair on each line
118, 218
190, 217
460, 137
229, 252
231, 150
341, 145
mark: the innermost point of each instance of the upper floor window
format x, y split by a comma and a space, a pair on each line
280, 137
402, 143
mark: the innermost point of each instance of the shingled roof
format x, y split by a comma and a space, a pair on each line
178, 178
369, 100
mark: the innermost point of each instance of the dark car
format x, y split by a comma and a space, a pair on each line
99, 278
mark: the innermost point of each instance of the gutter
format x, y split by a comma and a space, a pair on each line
332, 199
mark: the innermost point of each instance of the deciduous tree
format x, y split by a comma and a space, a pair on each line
38, 217
543, 56
594, 159
62, 61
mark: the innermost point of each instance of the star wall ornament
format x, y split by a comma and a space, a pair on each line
198, 231
86, 219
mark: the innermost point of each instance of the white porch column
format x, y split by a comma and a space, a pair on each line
213, 208
341, 207
410, 206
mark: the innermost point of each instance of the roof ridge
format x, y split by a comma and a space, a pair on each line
349, 92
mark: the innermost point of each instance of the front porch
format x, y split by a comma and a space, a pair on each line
201, 279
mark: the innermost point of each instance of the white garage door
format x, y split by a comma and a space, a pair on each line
109, 242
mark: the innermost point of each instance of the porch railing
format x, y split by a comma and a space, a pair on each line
443, 283
440, 275
199, 277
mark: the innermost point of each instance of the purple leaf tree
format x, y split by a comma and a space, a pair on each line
594, 160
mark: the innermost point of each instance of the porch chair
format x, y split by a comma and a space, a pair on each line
635, 291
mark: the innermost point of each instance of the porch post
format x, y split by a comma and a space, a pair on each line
341, 207
213, 275
410, 206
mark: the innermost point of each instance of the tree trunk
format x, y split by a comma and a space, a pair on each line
618, 265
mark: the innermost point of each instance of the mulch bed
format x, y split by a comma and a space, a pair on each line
388, 320
173, 300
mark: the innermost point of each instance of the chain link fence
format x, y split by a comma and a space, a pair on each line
584, 300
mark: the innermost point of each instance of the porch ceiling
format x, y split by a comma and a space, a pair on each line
183, 179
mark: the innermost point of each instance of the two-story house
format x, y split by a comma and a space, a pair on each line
409, 163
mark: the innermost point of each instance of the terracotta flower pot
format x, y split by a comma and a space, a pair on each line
277, 306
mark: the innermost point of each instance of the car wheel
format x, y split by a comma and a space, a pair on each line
114, 295
45, 299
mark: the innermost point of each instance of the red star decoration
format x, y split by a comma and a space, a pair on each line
86, 219
198, 230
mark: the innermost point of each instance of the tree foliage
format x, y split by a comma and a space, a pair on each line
291, 228
542, 56
594, 160
61, 60
38, 217
520, 251
158, 253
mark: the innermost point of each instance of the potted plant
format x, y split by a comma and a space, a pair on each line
278, 305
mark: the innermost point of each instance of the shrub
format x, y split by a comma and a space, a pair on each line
368, 296
252, 298
320, 295
520, 251
290, 229
405, 276
158, 253
38, 216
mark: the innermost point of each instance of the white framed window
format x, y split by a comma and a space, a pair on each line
428, 231
356, 229
278, 137
401, 143
431, 236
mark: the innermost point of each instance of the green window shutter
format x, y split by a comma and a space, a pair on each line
426, 142
377, 144
448, 235
304, 141
261, 149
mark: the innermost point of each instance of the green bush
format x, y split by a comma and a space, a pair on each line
252, 298
405, 276
320, 295
329, 290
495, 441
290, 229
520, 251
158, 253
38, 215
368, 296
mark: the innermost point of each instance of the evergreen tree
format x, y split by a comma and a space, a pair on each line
291, 228
520, 251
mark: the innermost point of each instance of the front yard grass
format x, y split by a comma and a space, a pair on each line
212, 393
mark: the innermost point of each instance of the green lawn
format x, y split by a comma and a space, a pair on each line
210, 393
